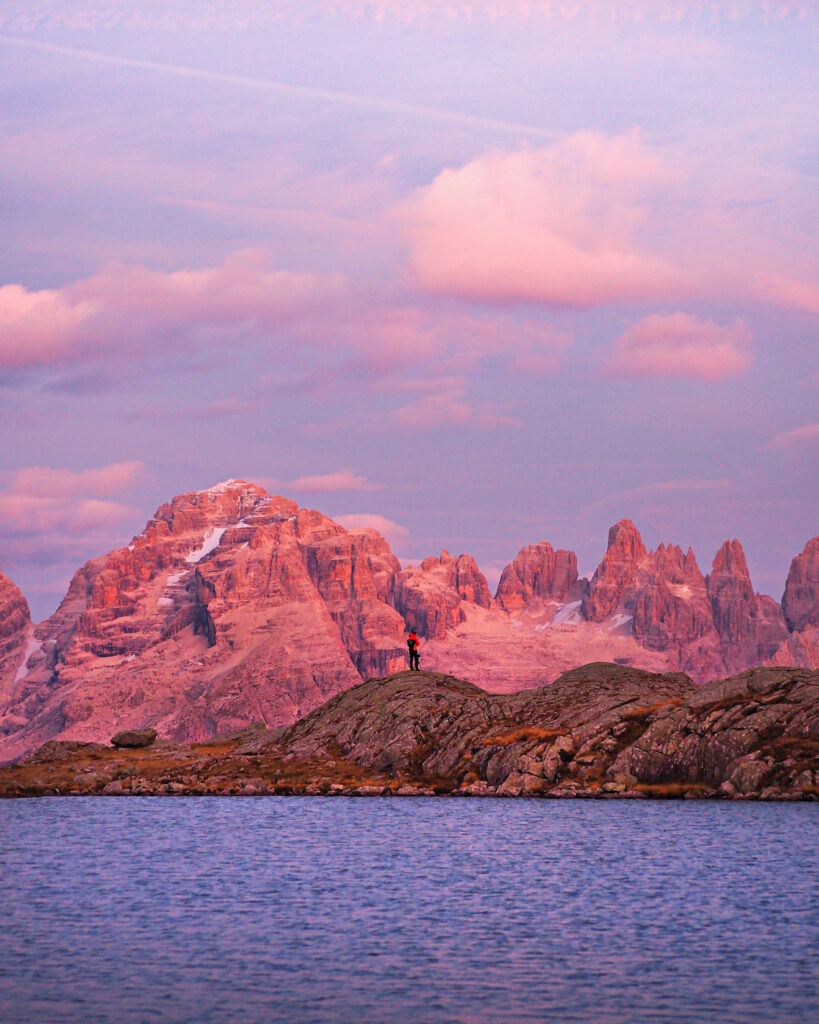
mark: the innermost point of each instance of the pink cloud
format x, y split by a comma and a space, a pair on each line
392, 532
448, 405
562, 225
327, 483
447, 342
679, 345
801, 295
597, 219
43, 482
40, 499
135, 309
140, 307
809, 434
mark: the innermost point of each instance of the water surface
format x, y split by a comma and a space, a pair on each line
344, 911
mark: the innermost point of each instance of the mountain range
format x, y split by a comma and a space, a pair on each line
234, 606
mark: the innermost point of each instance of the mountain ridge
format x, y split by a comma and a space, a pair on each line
233, 604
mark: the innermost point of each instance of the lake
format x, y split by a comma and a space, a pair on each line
351, 911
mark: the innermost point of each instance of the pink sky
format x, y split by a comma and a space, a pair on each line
484, 274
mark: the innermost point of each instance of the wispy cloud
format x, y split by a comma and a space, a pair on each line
39, 499
795, 438
670, 488
53, 519
679, 345
447, 404
253, 14
381, 105
800, 295
328, 483
132, 306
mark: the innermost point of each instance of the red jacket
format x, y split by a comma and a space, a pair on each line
412, 641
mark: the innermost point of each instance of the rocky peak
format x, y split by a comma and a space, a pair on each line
470, 583
223, 505
729, 586
429, 597
625, 541
538, 574
672, 610
800, 602
618, 569
15, 623
750, 627
730, 561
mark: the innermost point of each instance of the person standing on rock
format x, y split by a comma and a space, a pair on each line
412, 644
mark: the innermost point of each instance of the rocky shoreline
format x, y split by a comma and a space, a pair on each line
601, 731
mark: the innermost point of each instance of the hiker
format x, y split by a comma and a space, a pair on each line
412, 644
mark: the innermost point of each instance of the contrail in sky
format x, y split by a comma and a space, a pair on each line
350, 99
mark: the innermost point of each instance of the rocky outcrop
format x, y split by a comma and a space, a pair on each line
613, 579
539, 575
751, 627
705, 625
430, 597
15, 630
600, 731
800, 602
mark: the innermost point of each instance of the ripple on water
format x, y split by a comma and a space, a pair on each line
317, 911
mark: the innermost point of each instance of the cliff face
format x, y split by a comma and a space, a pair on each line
15, 628
707, 625
233, 605
613, 584
430, 598
800, 602
751, 628
539, 574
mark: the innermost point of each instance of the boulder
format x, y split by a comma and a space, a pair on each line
134, 738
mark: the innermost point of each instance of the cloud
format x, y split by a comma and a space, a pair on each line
560, 226
679, 345
596, 219
800, 295
788, 439
392, 532
447, 405
196, 16
52, 520
135, 312
136, 307
53, 501
672, 489
103, 481
447, 341
327, 483
337, 97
